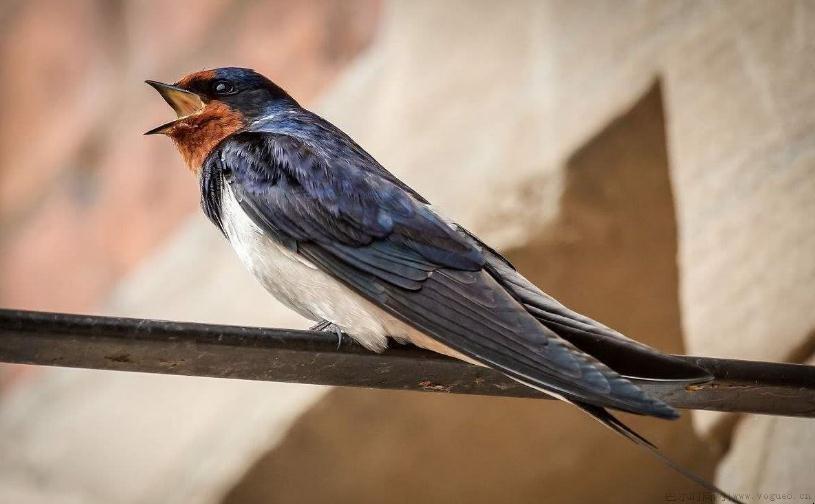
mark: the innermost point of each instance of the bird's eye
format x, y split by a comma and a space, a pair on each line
222, 87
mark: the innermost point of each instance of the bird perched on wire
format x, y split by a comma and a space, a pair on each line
342, 241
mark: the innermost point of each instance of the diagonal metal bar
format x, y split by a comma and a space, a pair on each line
181, 348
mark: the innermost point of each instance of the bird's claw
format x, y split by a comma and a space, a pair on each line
326, 326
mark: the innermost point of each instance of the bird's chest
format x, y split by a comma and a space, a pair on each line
290, 278
300, 285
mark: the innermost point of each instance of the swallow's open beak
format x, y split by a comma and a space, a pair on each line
185, 103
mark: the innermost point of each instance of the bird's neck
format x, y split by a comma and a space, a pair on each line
199, 134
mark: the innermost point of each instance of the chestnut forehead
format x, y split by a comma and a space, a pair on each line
202, 76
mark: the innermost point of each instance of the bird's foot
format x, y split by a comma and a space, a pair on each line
326, 326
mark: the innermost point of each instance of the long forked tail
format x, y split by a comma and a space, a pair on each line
610, 421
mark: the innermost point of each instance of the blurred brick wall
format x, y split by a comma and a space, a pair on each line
83, 196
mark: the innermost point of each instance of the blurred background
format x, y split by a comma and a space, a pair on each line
650, 163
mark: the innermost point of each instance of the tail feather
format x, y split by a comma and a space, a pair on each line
610, 421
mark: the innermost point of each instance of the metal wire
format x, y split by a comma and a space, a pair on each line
155, 346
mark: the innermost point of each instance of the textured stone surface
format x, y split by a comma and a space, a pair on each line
101, 437
412, 447
483, 107
174, 439
745, 175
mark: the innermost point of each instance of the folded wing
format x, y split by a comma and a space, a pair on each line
624, 355
381, 241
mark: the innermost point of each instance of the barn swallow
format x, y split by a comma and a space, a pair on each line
336, 237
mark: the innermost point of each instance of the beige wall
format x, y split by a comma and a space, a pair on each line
501, 95
681, 213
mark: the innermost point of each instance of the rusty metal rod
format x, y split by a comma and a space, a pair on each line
183, 348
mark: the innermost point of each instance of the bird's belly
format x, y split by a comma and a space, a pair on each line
301, 286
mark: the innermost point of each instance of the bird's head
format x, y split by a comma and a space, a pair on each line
214, 104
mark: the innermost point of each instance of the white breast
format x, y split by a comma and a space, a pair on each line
299, 285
